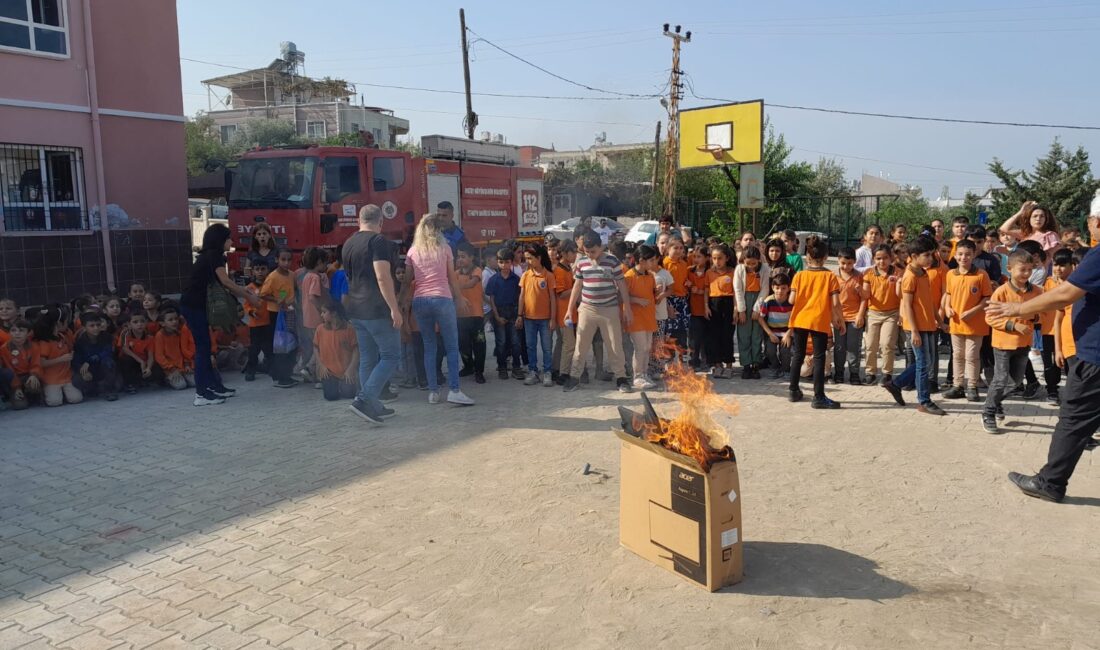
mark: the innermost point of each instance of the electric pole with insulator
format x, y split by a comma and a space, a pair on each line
675, 94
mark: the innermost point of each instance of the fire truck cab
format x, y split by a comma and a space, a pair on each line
311, 195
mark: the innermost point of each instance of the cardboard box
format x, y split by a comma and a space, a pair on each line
679, 517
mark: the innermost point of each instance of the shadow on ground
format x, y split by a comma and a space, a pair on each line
814, 571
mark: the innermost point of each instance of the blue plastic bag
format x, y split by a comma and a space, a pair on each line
285, 341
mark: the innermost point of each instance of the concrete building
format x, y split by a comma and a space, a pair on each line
318, 107
93, 181
605, 154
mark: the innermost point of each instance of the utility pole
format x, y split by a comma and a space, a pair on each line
656, 166
675, 94
470, 121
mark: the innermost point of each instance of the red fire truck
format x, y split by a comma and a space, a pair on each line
311, 195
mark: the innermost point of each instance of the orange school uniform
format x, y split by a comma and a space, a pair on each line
563, 287
851, 295
58, 374
678, 269
257, 316
1069, 345
642, 285
537, 288
473, 295
696, 286
966, 291
1013, 333
814, 289
20, 360
1046, 318
335, 348
883, 290
720, 283
919, 284
278, 290
175, 352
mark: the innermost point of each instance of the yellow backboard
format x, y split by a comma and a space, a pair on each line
737, 128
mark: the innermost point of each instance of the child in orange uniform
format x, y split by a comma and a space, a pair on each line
566, 340
471, 321
261, 327
55, 353
696, 284
641, 286
883, 302
19, 356
966, 294
278, 294
337, 354
538, 312
1011, 337
853, 307
174, 350
816, 313
136, 359
720, 311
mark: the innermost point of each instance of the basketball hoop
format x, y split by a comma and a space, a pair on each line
715, 150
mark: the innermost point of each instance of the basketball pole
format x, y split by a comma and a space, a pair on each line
672, 150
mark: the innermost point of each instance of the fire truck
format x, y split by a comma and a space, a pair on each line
310, 195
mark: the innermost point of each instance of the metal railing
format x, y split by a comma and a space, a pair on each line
42, 188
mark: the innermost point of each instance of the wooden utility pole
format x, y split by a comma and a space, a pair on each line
470, 121
656, 164
675, 93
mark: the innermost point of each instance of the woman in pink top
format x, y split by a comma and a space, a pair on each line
1036, 223
431, 276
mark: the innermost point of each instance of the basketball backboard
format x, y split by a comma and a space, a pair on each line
727, 134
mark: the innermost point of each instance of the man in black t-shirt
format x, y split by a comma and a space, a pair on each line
371, 303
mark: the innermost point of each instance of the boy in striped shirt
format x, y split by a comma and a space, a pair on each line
774, 315
595, 305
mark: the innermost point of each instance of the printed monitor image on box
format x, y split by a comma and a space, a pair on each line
675, 512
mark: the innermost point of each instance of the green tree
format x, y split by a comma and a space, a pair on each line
830, 179
912, 211
1061, 181
203, 145
264, 133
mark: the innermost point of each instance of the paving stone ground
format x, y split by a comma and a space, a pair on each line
279, 520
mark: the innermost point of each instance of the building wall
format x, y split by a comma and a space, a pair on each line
136, 57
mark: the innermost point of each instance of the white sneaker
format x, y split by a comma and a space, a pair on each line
532, 379
548, 381
433, 397
202, 400
643, 383
459, 398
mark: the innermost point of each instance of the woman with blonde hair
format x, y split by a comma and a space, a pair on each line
431, 280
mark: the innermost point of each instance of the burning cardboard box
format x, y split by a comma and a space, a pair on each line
679, 499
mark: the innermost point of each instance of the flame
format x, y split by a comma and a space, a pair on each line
693, 432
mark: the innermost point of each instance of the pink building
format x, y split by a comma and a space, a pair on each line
91, 124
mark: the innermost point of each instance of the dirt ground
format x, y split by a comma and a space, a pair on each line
868, 527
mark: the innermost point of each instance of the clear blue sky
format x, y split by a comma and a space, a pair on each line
975, 59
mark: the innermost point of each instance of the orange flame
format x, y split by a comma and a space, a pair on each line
693, 432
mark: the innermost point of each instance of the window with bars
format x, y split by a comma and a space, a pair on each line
42, 188
39, 26
315, 130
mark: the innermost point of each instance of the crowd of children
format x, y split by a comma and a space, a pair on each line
570, 312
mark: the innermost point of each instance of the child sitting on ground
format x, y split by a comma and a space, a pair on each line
136, 359
19, 356
337, 354
55, 355
94, 357
174, 350
773, 314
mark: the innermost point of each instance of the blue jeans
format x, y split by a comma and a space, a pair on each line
206, 375
918, 373
430, 312
506, 343
379, 352
533, 329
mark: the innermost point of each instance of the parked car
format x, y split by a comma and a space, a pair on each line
641, 231
564, 230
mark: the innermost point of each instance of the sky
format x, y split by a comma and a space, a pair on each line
1017, 61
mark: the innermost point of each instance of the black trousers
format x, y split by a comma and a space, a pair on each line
335, 388
697, 334
1052, 374
1078, 420
471, 343
720, 330
798, 355
131, 372
260, 340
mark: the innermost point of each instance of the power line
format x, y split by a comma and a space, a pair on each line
555, 75
893, 162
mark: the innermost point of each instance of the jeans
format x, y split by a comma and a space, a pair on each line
430, 312
207, 377
778, 355
506, 343
534, 330
917, 373
1008, 371
846, 348
379, 351
1078, 419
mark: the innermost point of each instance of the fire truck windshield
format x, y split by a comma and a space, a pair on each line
273, 183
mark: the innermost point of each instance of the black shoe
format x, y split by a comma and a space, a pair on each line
130, 390
584, 377
972, 395
1092, 443
571, 384
111, 397
385, 413
554, 375
1052, 398
1000, 413
623, 384
838, 378
387, 395
1033, 486
795, 395
894, 391
870, 380
955, 392
250, 376
886, 378
226, 391
933, 387
853, 379
363, 411
518, 374
931, 408
286, 383
989, 424
756, 373
502, 374
746, 373
465, 372
1031, 391
824, 403
605, 376
479, 377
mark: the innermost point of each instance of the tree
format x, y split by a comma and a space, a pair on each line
830, 179
1061, 181
264, 133
203, 144
912, 211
